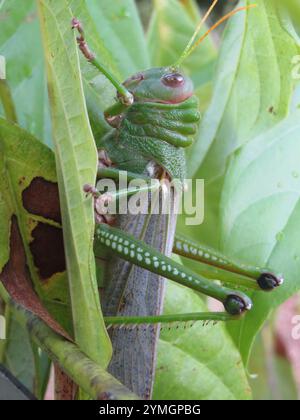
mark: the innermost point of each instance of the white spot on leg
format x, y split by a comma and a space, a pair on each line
178, 244
186, 248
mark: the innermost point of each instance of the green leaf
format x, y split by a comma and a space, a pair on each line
76, 161
28, 191
252, 93
261, 215
277, 372
197, 363
171, 28
99, 93
291, 18
7, 102
24, 160
43, 370
21, 46
16, 352
118, 22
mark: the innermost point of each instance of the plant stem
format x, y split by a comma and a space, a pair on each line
4, 343
89, 376
7, 102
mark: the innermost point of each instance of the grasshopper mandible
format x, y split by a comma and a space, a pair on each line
153, 120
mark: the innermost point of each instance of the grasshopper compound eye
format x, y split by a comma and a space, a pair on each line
269, 282
173, 80
237, 305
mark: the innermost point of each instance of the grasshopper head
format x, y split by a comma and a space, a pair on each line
161, 85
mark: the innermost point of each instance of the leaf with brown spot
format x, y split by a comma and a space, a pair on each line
47, 249
29, 193
41, 198
16, 278
65, 389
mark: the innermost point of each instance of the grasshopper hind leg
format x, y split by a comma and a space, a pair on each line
140, 254
228, 270
139, 262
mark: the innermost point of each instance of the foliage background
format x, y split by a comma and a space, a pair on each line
247, 152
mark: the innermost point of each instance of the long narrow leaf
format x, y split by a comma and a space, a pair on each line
76, 165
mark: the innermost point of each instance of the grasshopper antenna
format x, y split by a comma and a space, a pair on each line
199, 26
192, 45
125, 96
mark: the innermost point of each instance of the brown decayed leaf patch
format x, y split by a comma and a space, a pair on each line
16, 279
41, 198
65, 388
47, 249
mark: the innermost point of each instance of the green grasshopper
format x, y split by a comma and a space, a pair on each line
153, 120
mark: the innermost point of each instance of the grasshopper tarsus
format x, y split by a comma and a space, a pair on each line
83, 46
269, 282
